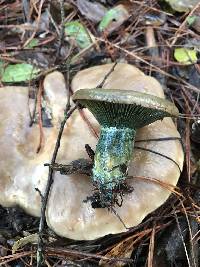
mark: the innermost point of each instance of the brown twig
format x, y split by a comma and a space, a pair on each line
61, 35
151, 248
44, 198
37, 23
106, 76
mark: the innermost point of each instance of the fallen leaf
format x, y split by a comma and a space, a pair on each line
194, 22
114, 18
34, 42
18, 72
24, 241
185, 56
79, 33
93, 11
191, 20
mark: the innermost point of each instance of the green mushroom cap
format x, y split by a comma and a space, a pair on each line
124, 108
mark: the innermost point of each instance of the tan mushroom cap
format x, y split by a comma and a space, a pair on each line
67, 215
21, 168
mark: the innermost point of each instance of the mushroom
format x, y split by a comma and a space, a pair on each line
120, 113
67, 214
22, 169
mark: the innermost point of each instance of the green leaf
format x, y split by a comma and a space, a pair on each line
191, 20
18, 73
33, 239
115, 16
34, 42
185, 55
76, 30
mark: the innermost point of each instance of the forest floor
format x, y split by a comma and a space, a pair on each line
162, 43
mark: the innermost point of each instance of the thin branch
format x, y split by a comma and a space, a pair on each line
37, 23
68, 113
61, 35
159, 154
106, 76
181, 236
158, 139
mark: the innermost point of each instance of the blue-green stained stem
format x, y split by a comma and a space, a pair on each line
112, 157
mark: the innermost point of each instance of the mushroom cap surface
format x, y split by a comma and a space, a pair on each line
21, 167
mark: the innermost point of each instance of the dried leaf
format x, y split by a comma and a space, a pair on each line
93, 11
122, 250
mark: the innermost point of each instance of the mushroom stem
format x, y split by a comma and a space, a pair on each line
112, 157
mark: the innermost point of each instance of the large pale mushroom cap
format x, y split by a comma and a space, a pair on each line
21, 168
67, 214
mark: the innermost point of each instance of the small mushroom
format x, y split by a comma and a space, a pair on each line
120, 113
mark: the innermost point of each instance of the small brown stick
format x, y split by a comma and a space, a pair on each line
26, 8
52, 251
61, 35
181, 236
154, 53
187, 138
151, 248
37, 23
45, 197
9, 258
106, 76
79, 166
